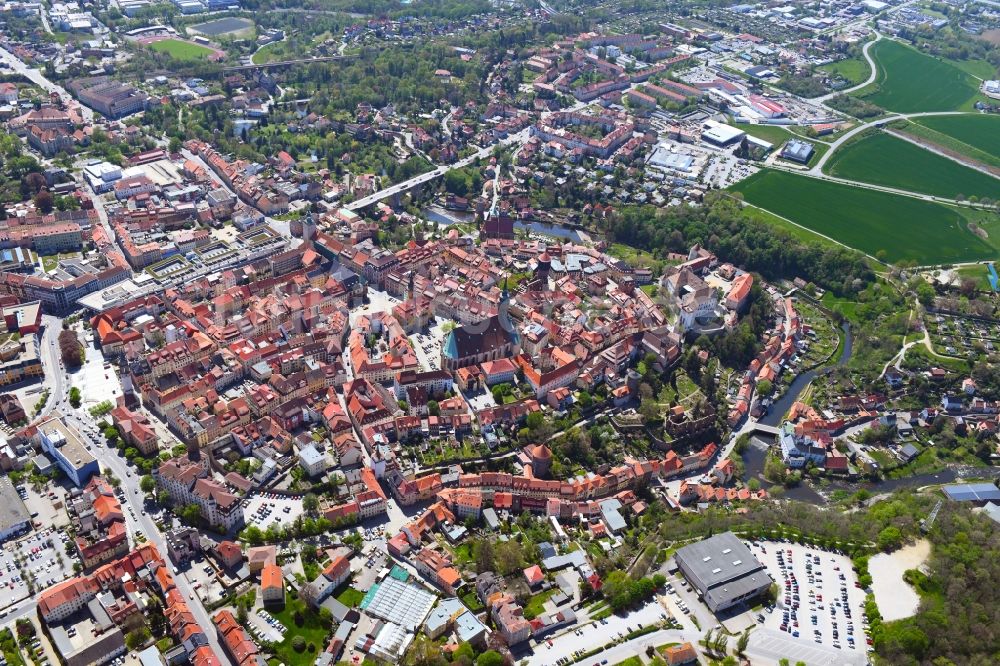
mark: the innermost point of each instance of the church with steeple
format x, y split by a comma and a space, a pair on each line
487, 340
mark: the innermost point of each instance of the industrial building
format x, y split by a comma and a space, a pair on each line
723, 570
721, 135
14, 516
797, 151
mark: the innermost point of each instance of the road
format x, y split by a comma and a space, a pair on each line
434, 174
846, 136
519, 138
871, 77
109, 460
35, 76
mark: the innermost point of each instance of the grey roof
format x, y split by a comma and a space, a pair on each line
797, 150
490, 516
13, 512
613, 519
993, 511
719, 560
909, 451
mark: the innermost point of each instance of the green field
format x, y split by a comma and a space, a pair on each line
182, 50
878, 223
909, 81
883, 159
855, 70
976, 135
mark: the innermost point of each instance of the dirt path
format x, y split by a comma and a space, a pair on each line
952, 155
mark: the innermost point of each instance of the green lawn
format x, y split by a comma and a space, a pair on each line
264, 54
883, 159
472, 601
898, 227
855, 70
910, 81
181, 49
976, 135
536, 605
774, 134
978, 273
310, 629
349, 596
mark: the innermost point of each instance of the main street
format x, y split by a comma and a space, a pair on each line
109, 460
37, 77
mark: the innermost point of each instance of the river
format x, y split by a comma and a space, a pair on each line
785, 402
756, 453
447, 217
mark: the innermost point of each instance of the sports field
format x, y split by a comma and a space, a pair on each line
882, 159
182, 50
880, 224
909, 81
972, 134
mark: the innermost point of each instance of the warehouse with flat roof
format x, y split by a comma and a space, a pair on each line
14, 516
723, 570
721, 135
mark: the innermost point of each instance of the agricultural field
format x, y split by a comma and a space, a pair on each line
884, 225
182, 50
909, 81
882, 159
976, 135
855, 70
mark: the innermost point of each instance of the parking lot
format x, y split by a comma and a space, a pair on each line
38, 556
266, 627
269, 509
818, 601
367, 567
428, 345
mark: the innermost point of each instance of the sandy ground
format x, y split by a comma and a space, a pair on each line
895, 598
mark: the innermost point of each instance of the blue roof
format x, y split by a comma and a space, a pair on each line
972, 492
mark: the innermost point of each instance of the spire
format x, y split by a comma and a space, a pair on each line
505, 295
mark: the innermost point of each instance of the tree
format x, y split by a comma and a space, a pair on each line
764, 387
483, 554
890, 538
464, 654
298, 643
310, 503
433, 408
70, 349
490, 658
190, 514
43, 201
147, 484
137, 638
741, 644
75, 398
